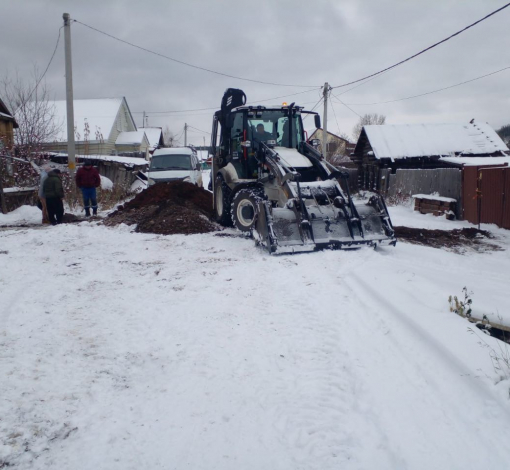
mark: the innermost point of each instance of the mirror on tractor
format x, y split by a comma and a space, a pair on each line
315, 142
271, 143
317, 121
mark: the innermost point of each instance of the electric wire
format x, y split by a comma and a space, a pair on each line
336, 120
426, 49
199, 130
179, 135
216, 107
47, 67
341, 102
363, 79
429, 92
188, 64
316, 104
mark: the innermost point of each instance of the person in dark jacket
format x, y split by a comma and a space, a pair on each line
88, 179
54, 193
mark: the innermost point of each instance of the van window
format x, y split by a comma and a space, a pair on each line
170, 162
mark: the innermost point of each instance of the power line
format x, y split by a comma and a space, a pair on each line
430, 92
360, 84
199, 130
188, 64
47, 67
175, 111
316, 104
426, 49
341, 102
334, 113
216, 107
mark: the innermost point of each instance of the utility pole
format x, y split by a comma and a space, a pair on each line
71, 149
185, 134
143, 119
325, 121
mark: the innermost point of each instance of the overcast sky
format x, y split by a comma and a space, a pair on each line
283, 41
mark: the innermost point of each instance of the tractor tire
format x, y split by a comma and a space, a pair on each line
244, 209
222, 202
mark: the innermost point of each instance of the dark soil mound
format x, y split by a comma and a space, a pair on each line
168, 208
466, 237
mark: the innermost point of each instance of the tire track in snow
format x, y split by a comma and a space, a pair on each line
433, 374
317, 413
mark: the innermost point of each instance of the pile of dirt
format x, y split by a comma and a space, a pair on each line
168, 208
452, 239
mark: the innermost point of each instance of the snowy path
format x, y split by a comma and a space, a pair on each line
126, 351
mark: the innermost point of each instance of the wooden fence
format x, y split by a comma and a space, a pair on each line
487, 195
447, 182
17, 197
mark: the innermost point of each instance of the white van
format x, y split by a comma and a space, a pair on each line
175, 163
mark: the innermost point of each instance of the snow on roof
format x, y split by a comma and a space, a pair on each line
425, 140
433, 197
477, 161
100, 114
130, 138
153, 136
6, 115
127, 161
20, 189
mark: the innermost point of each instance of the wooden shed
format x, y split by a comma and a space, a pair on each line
382, 150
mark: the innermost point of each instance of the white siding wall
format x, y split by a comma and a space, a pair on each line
123, 123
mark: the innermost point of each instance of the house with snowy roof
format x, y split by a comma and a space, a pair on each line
7, 126
102, 127
338, 148
132, 142
155, 137
423, 146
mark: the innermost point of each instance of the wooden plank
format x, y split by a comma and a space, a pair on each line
487, 322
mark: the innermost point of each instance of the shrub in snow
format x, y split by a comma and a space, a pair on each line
461, 307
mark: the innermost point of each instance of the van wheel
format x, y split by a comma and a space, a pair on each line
222, 202
245, 208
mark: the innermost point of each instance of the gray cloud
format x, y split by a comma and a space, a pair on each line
285, 41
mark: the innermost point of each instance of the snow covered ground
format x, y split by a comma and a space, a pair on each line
121, 350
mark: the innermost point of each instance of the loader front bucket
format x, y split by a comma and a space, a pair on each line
283, 230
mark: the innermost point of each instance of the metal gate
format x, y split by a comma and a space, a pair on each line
486, 194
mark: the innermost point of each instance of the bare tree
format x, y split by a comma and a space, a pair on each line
504, 133
168, 137
366, 120
30, 102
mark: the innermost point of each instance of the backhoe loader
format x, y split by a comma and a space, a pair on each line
269, 182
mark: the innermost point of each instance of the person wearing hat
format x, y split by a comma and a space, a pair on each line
54, 193
88, 179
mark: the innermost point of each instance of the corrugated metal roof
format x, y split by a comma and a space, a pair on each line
426, 140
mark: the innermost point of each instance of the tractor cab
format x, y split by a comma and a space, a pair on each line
245, 129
